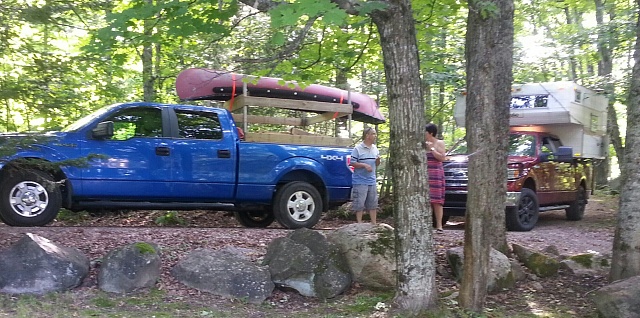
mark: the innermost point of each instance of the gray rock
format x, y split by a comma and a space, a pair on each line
586, 264
370, 253
130, 268
35, 265
501, 275
621, 299
539, 263
518, 271
225, 274
306, 262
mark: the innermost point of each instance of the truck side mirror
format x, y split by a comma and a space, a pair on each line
564, 154
103, 130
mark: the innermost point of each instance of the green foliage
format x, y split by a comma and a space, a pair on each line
385, 242
342, 212
169, 219
145, 248
487, 9
288, 14
104, 301
367, 302
72, 217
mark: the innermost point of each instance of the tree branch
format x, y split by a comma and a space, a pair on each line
288, 50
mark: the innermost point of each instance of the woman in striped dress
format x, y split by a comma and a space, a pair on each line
435, 156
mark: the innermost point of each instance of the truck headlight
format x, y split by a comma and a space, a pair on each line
513, 173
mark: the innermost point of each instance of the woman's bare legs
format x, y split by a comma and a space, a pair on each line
438, 212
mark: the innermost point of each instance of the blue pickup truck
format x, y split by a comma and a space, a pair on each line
160, 156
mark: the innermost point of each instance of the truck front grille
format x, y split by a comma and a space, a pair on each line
455, 175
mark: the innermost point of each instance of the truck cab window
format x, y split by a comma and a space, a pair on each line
137, 122
522, 145
198, 125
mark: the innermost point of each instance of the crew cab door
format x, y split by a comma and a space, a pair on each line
137, 160
204, 155
564, 180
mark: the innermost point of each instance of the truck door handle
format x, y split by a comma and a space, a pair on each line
163, 151
224, 153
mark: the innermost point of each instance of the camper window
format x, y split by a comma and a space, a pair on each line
578, 96
529, 101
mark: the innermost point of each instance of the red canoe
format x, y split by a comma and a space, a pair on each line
206, 84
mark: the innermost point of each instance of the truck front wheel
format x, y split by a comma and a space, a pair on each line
297, 204
29, 198
524, 216
575, 211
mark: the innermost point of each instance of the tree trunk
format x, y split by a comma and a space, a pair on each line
147, 61
489, 55
606, 41
573, 74
416, 289
626, 243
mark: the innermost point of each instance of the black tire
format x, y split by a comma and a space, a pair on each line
29, 198
258, 218
297, 204
525, 214
575, 211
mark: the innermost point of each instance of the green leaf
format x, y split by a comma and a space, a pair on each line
278, 38
367, 7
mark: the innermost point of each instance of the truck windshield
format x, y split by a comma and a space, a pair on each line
519, 145
89, 118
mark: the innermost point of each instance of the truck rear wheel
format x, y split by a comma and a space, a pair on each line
524, 216
575, 211
29, 198
258, 218
297, 204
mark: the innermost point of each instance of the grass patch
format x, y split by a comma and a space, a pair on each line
370, 302
170, 218
72, 217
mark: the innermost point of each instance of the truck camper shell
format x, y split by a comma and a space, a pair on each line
574, 113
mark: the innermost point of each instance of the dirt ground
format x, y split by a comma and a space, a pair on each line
564, 294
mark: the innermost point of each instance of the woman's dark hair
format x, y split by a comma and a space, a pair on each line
431, 128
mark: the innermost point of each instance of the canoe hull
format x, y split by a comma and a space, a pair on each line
207, 84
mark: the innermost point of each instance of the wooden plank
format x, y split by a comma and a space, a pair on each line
283, 138
322, 117
304, 105
255, 119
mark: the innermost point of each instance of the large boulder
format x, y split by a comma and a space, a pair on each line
501, 275
224, 273
370, 253
539, 263
130, 268
621, 299
305, 261
35, 265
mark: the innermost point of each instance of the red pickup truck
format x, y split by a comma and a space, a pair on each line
543, 175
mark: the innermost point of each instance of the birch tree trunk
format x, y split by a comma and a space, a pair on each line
626, 243
489, 55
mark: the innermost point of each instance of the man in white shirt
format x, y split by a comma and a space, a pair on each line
364, 159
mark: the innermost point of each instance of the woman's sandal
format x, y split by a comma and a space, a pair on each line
440, 231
